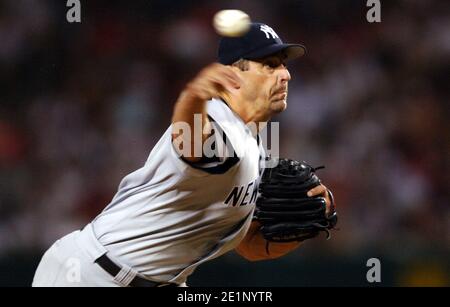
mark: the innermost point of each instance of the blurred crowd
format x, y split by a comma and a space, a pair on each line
81, 105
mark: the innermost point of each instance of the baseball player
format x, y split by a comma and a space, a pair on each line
186, 206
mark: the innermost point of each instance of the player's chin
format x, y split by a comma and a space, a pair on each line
278, 105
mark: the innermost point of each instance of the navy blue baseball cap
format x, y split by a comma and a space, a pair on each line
260, 41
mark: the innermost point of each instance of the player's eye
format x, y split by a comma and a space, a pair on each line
272, 64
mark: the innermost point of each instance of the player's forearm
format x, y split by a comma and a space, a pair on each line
254, 247
187, 105
212, 81
188, 123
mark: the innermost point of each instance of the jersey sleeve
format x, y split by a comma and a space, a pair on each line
218, 153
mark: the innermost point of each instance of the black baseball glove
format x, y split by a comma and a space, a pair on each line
284, 210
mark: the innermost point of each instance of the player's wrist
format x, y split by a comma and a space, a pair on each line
193, 94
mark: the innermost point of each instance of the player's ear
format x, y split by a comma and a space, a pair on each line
241, 64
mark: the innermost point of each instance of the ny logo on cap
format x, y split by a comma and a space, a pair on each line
268, 30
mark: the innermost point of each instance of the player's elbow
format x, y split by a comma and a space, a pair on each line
257, 251
254, 247
251, 256
267, 251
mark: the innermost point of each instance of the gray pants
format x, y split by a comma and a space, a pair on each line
70, 263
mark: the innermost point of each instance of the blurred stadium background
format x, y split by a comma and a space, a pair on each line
81, 105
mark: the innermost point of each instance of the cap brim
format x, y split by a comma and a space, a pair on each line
292, 51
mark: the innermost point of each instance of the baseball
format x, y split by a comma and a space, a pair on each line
232, 23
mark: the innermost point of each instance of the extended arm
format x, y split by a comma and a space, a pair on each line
254, 247
209, 83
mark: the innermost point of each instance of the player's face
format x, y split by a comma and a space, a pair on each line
268, 80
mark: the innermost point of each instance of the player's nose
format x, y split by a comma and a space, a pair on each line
285, 76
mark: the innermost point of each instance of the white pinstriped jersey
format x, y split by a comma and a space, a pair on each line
168, 216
